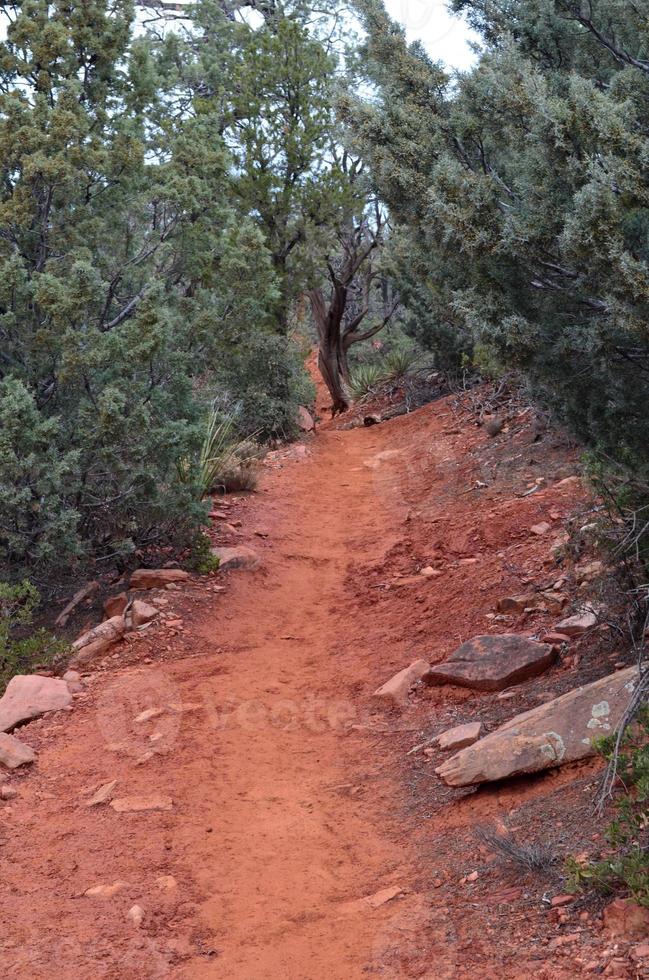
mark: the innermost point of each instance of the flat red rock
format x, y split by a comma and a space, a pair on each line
30, 695
492, 663
156, 578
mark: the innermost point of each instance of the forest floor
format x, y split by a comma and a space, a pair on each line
297, 807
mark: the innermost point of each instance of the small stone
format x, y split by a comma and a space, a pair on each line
383, 897
430, 572
584, 620
103, 794
148, 715
305, 419
166, 883
515, 605
142, 613
14, 753
136, 915
397, 689
560, 900
237, 558
459, 737
541, 528
116, 605
640, 952
141, 804
8, 793
105, 891
472, 877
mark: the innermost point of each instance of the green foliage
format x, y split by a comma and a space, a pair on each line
20, 653
519, 192
366, 378
161, 203
200, 558
628, 834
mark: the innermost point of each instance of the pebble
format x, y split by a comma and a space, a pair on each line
136, 915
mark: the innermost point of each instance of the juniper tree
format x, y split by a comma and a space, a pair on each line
520, 191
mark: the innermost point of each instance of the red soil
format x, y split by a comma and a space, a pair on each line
294, 795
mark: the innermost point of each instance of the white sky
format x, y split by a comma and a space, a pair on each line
445, 36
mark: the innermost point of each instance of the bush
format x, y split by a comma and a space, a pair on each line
365, 378
200, 557
18, 653
628, 834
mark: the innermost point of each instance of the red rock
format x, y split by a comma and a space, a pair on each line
583, 621
115, 605
305, 420
541, 528
492, 663
397, 689
626, 919
546, 737
555, 637
157, 578
14, 753
560, 900
460, 737
141, 804
239, 557
30, 695
142, 613
514, 605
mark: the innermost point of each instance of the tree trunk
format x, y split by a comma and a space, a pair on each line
332, 355
332, 362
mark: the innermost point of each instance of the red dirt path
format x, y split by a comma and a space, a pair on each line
293, 794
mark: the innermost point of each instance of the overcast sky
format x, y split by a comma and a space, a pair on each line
446, 37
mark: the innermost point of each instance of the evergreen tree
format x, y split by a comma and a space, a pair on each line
520, 191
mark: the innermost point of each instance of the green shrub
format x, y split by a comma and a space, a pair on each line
365, 378
628, 866
400, 362
200, 557
21, 653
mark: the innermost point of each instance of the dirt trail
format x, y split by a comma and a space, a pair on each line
294, 795
265, 840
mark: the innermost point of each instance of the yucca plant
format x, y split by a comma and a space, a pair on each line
365, 378
399, 362
225, 461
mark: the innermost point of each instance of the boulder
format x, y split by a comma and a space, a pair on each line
14, 753
116, 605
584, 620
546, 737
142, 613
30, 695
239, 557
305, 419
492, 663
460, 737
96, 641
397, 689
157, 578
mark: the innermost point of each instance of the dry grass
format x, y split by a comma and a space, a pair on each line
531, 856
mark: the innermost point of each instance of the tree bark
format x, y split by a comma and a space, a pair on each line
332, 355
